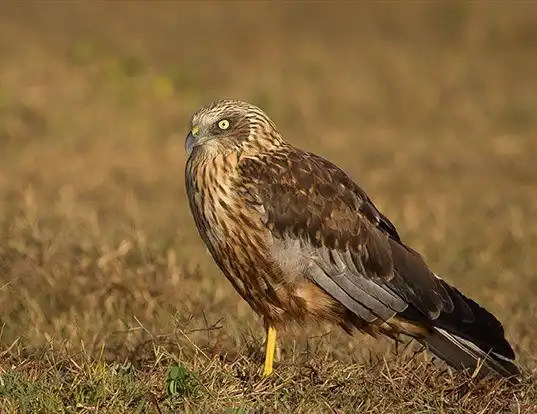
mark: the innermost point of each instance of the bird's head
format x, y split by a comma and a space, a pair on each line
228, 125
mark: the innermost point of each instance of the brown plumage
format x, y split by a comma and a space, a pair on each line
299, 241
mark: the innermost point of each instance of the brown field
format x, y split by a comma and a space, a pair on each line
105, 285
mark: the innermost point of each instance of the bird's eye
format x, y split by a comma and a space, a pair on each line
223, 124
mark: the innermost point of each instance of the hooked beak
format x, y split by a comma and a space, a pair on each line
190, 143
192, 139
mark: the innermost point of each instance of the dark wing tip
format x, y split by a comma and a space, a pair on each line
486, 330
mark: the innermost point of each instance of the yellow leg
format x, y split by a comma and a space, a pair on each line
271, 348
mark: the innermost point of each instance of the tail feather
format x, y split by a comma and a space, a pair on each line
463, 354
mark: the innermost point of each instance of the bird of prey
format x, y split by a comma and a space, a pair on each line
300, 241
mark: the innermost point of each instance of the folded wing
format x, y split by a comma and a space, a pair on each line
358, 258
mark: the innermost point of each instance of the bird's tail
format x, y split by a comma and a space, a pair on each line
463, 354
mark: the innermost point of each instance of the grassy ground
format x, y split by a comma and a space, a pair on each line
108, 301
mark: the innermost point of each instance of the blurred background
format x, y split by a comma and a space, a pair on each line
432, 108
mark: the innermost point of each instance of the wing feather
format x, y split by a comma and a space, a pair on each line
354, 303
370, 293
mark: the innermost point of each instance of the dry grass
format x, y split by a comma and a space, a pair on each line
105, 287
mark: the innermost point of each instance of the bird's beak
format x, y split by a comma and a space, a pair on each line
191, 140
190, 143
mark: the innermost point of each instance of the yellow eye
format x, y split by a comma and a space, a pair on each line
223, 124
